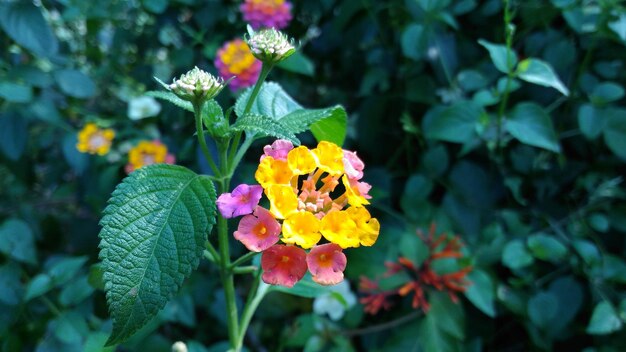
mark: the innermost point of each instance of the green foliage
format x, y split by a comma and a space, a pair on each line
156, 211
272, 101
531, 125
264, 126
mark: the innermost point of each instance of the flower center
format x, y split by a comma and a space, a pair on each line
284, 259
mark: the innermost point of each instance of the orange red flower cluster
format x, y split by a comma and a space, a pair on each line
422, 276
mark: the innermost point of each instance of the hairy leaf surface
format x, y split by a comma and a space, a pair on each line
153, 234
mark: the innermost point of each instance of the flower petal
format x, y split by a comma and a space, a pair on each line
326, 263
283, 265
258, 231
303, 229
338, 227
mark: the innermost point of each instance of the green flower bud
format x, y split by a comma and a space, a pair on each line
197, 85
270, 46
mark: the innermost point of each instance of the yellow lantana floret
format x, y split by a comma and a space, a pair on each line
273, 172
339, 228
329, 157
367, 228
283, 200
94, 140
303, 229
355, 198
301, 160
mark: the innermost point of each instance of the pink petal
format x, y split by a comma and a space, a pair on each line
283, 265
353, 165
241, 201
278, 150
258, 231
326, 263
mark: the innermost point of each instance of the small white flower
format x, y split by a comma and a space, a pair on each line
332, 305
142, 107
179, 346
197, 84
270, 45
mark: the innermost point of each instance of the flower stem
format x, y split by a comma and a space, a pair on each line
244, 258
265, 71
257, 293
197, 108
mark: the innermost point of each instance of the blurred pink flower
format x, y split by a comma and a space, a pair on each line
234, 59
266, 13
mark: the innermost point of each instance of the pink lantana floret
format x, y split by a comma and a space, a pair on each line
283, 265
278, 150
353, 165
258, 231
326, 263
243, 199
266, 13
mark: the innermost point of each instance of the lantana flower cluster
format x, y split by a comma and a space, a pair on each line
266, 13
317, 203
234, 59
423, 276
95, 140
147, 153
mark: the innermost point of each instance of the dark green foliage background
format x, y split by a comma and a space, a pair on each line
533, 183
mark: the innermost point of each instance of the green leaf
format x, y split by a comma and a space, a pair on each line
77, 160
606, 92
414, 41
442, 328
65, 269
172, 98
591, 121
328, 124
17, 241
155, 6
271, 101
546, 247
615, 131
13, 134
11, 289
39, 285
482, 292
75, 83
515, 255
16, 92
540, 72
304, 288
76, 291
530, 124
542, 309
25, 24
500, 56
153, 234
70, 327
416, 191
264, 126
604, 320
298, 63
570, 295
456, 123
332, 125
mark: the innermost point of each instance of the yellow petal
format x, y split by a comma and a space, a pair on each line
339, 228
303, 229
330, 157
301, 161
283, 200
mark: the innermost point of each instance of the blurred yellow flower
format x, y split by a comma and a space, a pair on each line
94, 140
148, 153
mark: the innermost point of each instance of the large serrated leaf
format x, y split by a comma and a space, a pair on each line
264, 126
328, 124
153, 234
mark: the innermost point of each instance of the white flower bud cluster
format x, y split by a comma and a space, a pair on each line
197, 84
270, 45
